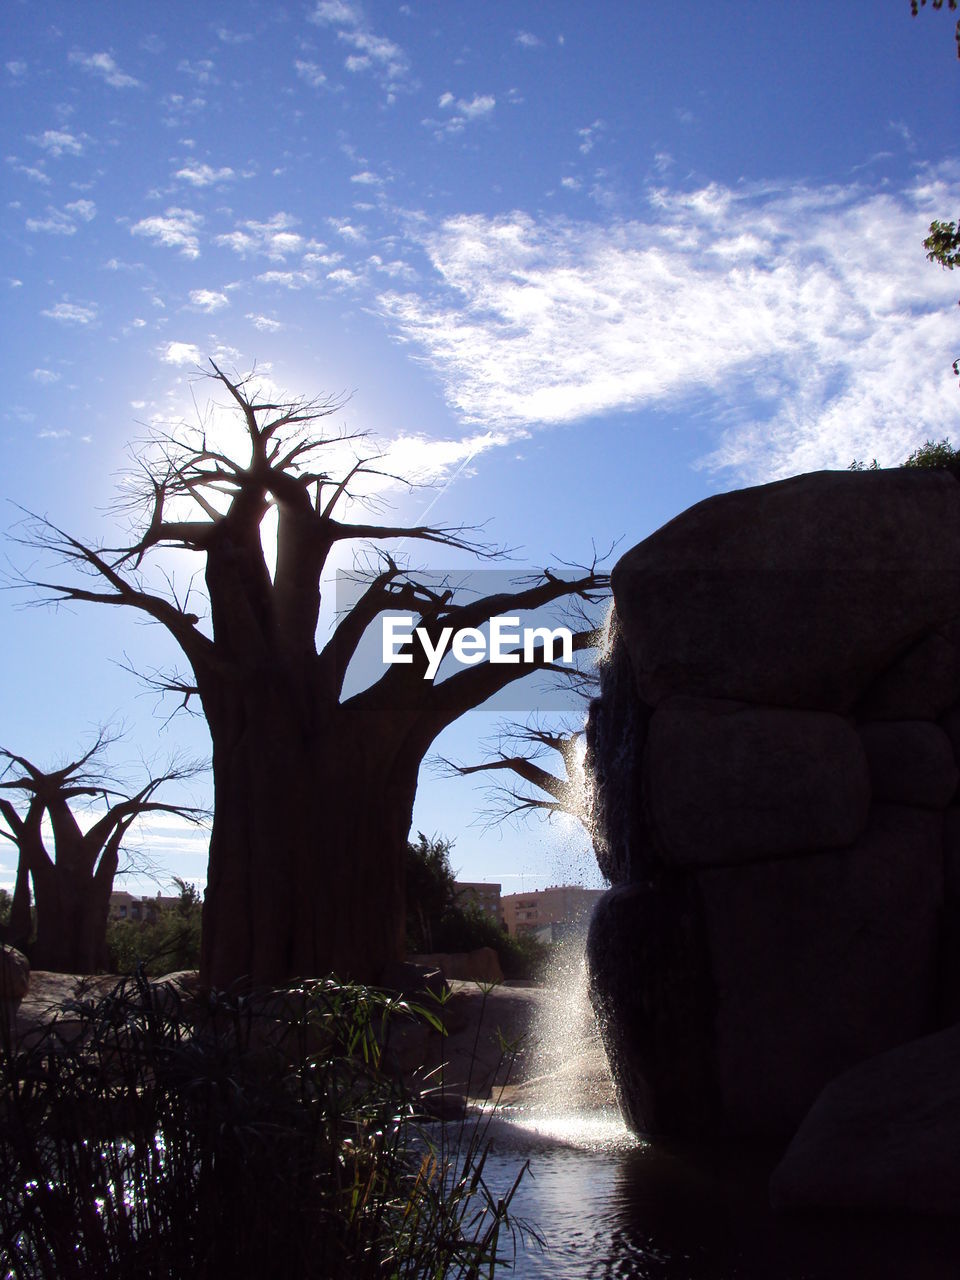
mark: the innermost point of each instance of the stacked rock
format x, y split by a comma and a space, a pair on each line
774, 758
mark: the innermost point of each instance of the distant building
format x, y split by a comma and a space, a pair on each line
549, 912
480, 894
142, 910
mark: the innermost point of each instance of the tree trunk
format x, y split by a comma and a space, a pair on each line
306, 865
72, 913
21, 925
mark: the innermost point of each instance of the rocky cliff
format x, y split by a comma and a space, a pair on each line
774, 757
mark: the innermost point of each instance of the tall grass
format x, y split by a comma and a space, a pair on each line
149, 1134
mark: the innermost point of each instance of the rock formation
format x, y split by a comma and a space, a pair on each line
774, 759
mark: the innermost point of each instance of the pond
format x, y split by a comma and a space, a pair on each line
611, 1207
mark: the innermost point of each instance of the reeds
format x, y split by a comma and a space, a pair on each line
154, 1134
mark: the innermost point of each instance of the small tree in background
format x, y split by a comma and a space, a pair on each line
518, 750
431, 889
71, 889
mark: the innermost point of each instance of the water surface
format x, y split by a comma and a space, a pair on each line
609, 1206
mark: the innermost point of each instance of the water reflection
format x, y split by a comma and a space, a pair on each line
611, 1208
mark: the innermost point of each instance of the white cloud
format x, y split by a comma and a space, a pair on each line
86, 210
28, 171
264, 323
481, 104
181, 353
45, 376
208, 300
103, 65
273, 238
233, 37
345, 228
49, 434
16, 68
202, 175
366, 179
71, 313
806, 318
466, 111
174, 229
56, 223
310, 72
335, 12
59, 143
373, 52
527, 40
588, 136
201, 70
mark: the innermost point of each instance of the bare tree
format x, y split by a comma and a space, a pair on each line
313, 789
533, 787
71, 889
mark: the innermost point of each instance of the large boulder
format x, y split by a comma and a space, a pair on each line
885, 1135
818, 962
799, 593
774, 761
14, 975
910, 762
726, 782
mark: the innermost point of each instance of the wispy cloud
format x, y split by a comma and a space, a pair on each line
202, 70
58, 142
208, 300
310, 72
55, 222
204, 175
264, 323
806, 318
85, 210
63, 222
174, 229
371, 52
72, 313
45, 376
227, 36
527, 40
464, 111
274, 238
29, 171
103, 65
588, 136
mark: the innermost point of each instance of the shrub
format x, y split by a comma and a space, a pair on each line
931, 454
164, 945
157, 1138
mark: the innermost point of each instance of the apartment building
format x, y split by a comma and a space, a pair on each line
480, 894
141, 910
554, 910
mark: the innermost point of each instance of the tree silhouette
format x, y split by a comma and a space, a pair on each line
313, 788
71, 890
533, 787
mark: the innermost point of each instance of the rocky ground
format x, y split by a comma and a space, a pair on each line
501, 1041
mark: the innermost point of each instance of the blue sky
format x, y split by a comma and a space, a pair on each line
582, 265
